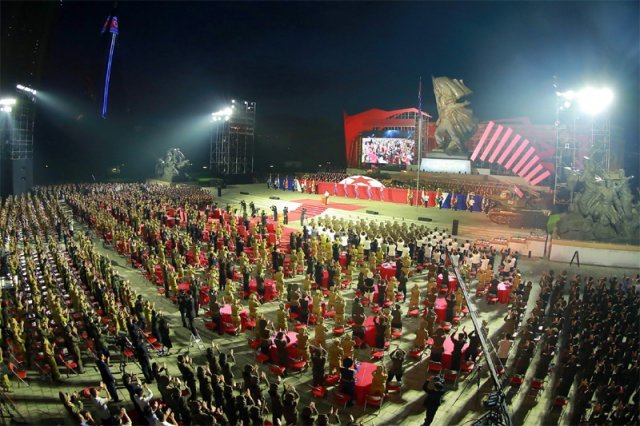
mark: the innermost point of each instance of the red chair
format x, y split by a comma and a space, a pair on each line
20, 374
70, 365
396, 333
375, 400
277, 370
416, 353
435, 367
377, 354
229, 328
451, 376
341, 398
254, 344
262, 358
516, 380
413, 313
393, 387
560, 401
298, 365
332, 379
319, 392
537, 386
128, 354
211, 325
338, 331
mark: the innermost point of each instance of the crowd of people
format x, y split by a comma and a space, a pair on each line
393, 151
341, 284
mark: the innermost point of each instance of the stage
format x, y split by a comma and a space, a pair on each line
472, 225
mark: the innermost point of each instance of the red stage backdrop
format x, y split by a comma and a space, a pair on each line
541, 138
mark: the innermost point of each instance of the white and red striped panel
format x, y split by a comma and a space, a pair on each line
512, 151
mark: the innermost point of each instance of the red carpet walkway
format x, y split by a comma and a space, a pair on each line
315, 208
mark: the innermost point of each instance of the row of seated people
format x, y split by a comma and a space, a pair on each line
583, 332
67, 303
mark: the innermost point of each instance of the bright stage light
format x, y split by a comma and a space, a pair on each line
27, 89
593, 101
7, 101
6, 108
224, 114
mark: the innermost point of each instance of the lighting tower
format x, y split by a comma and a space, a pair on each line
232, 139
582, 128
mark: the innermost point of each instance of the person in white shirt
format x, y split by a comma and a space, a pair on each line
344, 241
455, 258
484, 263
143, 396
101, 409
366, 245
504, 346
391, 249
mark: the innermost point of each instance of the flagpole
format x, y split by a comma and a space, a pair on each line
418, 198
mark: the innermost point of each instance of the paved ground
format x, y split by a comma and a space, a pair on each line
39, 402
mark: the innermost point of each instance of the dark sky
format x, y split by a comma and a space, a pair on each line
304, 64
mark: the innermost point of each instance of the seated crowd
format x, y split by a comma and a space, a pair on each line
68, 304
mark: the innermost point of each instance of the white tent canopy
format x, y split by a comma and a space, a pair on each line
362, 181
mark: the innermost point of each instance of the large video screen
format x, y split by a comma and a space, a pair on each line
392, 151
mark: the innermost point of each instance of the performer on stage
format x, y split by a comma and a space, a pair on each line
425, 198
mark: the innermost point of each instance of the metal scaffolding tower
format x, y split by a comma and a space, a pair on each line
601, 142
16, 137
566, 148
21, 145
232, 139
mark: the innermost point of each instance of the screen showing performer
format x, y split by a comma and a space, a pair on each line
392, 151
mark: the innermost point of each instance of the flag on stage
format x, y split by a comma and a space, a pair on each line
518, 191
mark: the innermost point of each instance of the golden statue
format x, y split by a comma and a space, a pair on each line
455, 122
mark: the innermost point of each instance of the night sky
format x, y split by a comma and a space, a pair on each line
304, 64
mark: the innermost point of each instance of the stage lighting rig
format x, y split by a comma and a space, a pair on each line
6, 104
222, 115
591, 101
26, 89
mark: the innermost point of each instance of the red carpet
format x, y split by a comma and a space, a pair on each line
342, 206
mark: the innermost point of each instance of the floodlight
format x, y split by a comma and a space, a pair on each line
6, 108
224, 114
7, 101
593, 101
27, 89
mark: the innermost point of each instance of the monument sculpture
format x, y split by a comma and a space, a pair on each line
172, 166
456, 123
602, 208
